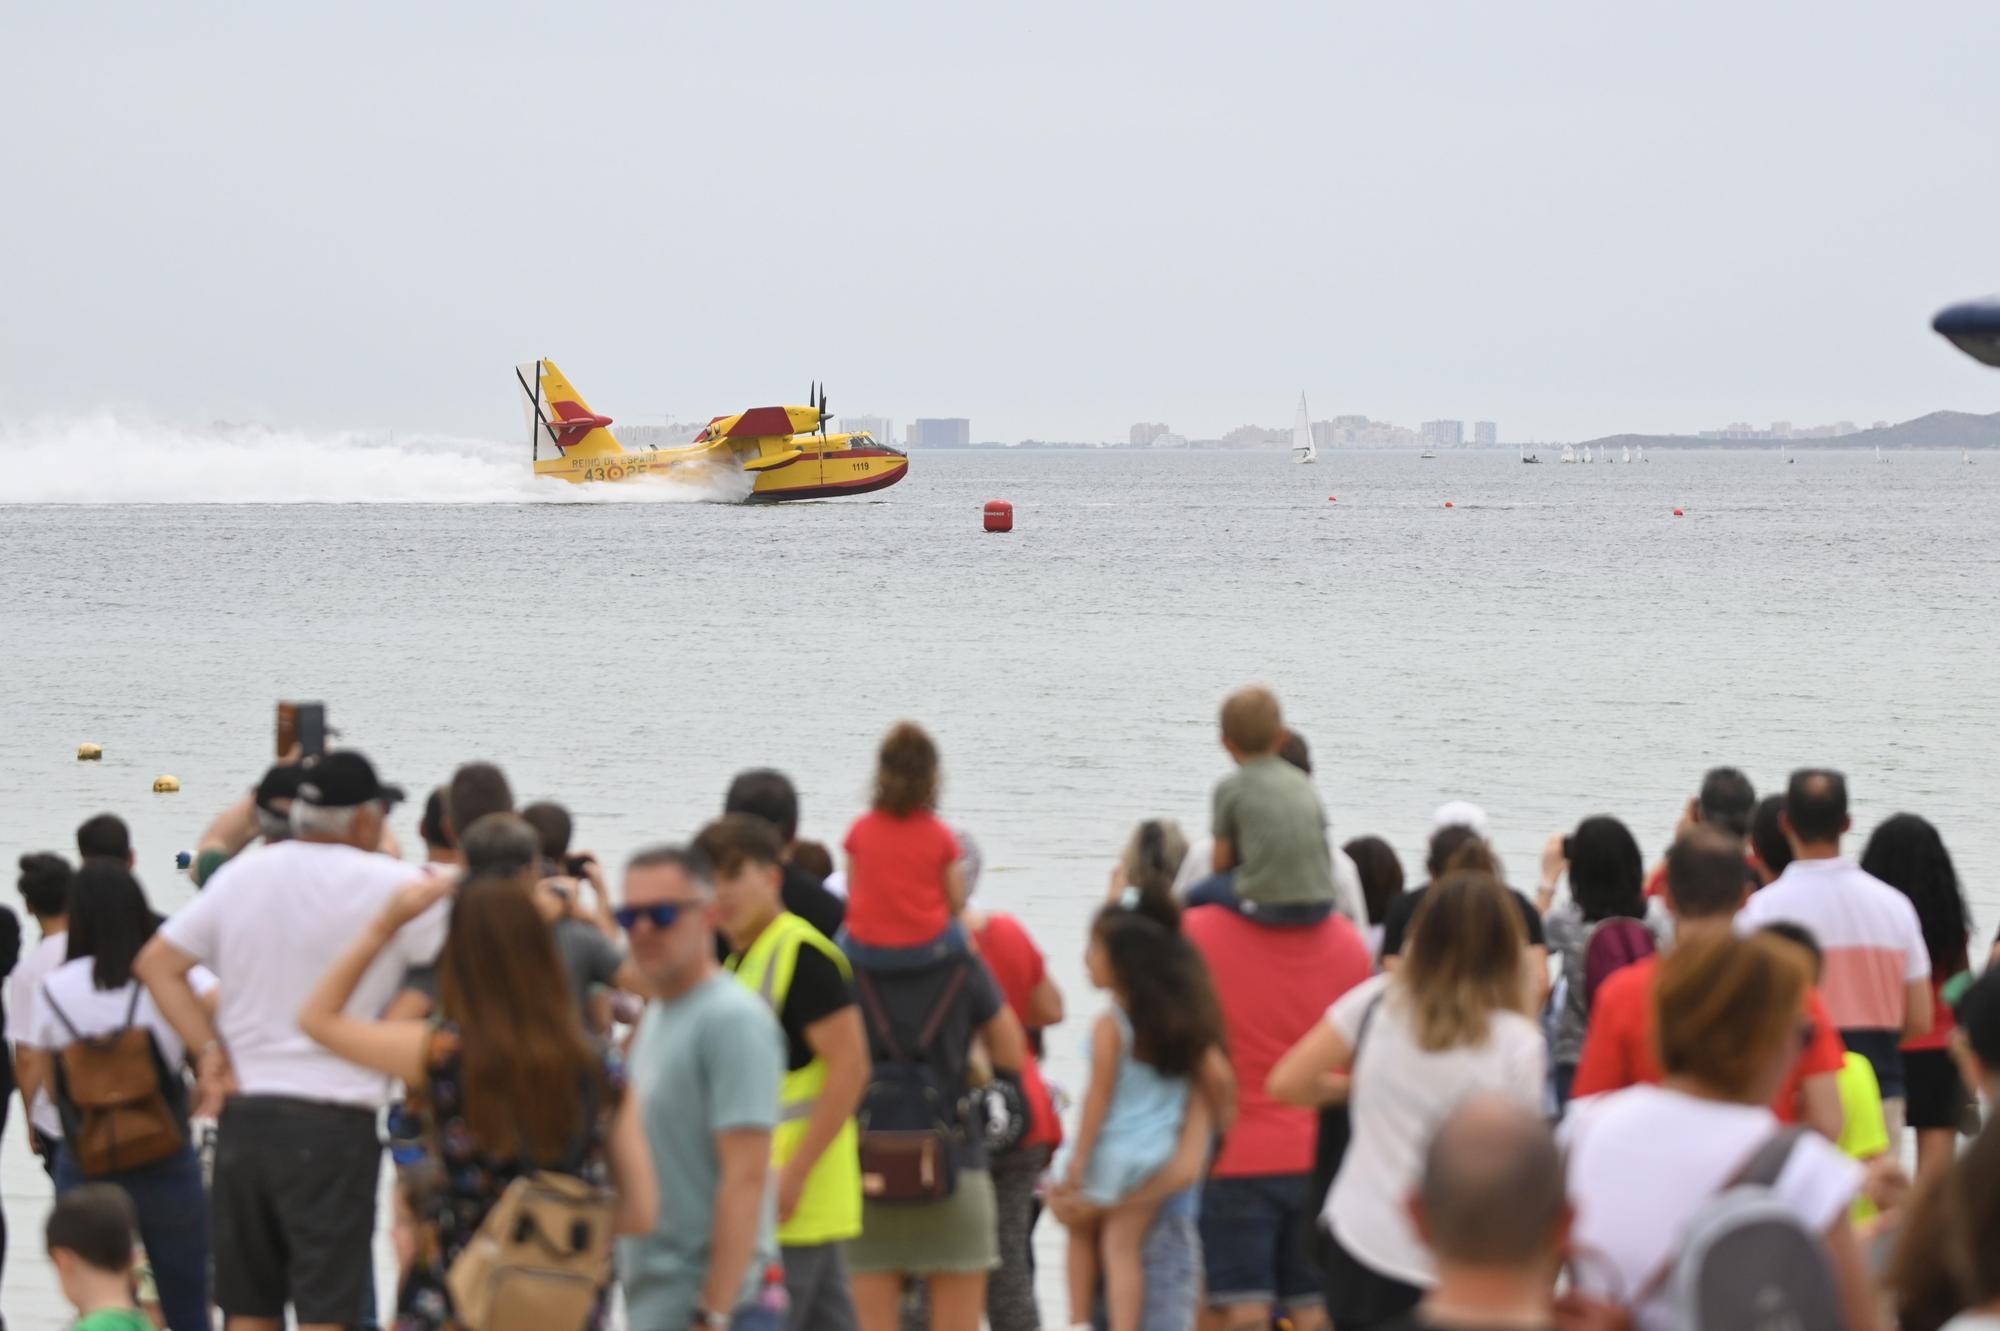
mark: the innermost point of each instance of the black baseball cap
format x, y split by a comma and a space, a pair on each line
1978, 1011
344, 779
280, 783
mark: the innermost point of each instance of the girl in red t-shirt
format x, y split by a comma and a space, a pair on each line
905, 882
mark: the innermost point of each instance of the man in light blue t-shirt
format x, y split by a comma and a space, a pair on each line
706, 1065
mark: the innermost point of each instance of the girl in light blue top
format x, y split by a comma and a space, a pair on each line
1162, 1031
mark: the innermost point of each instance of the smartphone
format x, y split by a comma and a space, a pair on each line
302, 724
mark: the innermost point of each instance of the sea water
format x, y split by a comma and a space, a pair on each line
1555, 644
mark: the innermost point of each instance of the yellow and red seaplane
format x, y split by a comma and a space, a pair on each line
786, 451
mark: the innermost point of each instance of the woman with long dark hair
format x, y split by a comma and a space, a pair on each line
512, 1084
1907, 853
91, 995
1607, 876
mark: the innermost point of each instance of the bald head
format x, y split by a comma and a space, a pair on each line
1492, 1193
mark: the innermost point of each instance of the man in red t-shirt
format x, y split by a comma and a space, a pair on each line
1706, 886
1257, 1210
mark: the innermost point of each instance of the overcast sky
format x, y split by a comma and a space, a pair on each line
1055, 218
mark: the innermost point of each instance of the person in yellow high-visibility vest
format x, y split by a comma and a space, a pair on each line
805, 979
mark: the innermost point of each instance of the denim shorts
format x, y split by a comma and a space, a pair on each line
1257, 1240
1172, 1262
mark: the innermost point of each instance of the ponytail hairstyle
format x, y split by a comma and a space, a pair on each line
1164, 986
1151, 861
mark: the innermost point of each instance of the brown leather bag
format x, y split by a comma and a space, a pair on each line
116, 1096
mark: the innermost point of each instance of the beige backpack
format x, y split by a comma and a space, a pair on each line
540, 1259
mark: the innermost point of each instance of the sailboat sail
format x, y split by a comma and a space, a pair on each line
1302, 435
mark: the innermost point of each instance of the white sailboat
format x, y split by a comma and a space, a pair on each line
1878, 452
1302, 435
1642, 452
1569, 453
1586, 452
1628, 454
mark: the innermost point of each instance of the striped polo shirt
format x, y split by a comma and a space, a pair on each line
1873, 946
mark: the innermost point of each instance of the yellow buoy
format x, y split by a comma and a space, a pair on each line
89, 753
166, 785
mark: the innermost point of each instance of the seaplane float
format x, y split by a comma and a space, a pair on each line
785, 451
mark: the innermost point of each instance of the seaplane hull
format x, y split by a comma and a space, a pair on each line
776, 447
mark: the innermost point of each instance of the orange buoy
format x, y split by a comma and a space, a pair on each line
999, 515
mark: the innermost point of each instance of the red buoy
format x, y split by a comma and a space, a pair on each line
1677, 513
1333, 499
999, 515
1447, 503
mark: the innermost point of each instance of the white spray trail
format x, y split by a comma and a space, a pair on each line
108, 459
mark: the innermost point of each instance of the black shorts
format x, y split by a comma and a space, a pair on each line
293, 1204
1934, 1092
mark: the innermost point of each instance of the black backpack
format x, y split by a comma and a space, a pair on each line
910, 1120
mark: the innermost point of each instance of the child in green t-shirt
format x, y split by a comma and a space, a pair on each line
1864, 1130
1269, 827
90, 1241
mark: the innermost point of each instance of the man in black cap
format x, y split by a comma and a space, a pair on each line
293, 1198
265, 813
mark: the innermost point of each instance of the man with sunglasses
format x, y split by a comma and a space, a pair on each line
707, 1063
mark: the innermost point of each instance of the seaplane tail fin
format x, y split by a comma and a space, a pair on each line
557, 417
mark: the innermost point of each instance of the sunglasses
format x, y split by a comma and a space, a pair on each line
661, 914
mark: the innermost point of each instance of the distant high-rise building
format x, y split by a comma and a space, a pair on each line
1485, 433
940, 432
1781, 429
1444, 434
881, 427
1144, 433
1324, 434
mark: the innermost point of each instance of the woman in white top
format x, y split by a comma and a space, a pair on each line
1449, 1023
93, 994
1645, 1160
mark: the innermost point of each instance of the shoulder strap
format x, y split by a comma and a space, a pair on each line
871, 1003
1768, 1161
1761, 1169
132, 1008
943, 1008
1361, 1031
61, 1015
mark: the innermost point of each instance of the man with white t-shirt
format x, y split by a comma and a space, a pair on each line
297, 1156
44, 884
1876, 981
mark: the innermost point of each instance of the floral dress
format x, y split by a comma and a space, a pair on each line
469, 1181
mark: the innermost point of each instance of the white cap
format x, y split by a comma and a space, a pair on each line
1460, 813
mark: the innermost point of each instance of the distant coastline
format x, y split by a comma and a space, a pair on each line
1939, 429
